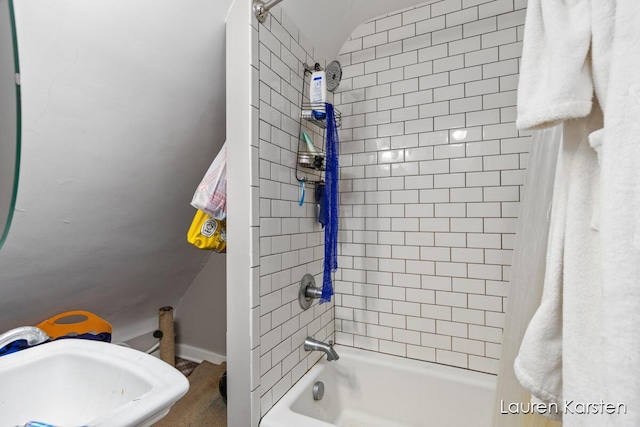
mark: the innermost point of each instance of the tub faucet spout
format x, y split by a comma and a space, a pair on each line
311, 344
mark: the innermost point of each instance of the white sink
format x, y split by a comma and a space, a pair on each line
75, 382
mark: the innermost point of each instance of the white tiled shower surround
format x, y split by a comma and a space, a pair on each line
290, 240
431, 171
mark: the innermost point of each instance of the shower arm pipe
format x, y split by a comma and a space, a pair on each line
261, 9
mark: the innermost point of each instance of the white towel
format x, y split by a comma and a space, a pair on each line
561, 354
620, 219
590, 314
555, 77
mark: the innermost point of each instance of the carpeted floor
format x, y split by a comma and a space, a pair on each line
185, 366
202, 406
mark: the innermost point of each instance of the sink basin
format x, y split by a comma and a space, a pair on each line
74, 382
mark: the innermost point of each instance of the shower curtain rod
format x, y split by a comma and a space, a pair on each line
261, 9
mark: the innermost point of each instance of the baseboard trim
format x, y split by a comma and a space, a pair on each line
196, 354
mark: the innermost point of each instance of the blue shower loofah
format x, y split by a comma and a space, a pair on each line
331, 206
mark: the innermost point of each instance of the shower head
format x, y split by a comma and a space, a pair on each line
334, 75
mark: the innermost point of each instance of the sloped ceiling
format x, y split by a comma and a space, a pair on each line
329, 23
123, 110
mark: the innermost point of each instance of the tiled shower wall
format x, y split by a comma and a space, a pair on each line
291, 241
431, 171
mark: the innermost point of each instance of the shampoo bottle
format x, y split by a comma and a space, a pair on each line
318, 87
318, 93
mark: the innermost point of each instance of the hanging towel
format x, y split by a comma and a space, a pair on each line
620, 218
611, 346
560, 359
331, 205
555, 76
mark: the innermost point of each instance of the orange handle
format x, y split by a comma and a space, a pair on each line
88, 324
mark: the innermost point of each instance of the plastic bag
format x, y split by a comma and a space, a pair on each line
208, 233
211, 195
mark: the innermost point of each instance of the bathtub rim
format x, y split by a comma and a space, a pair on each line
282, 410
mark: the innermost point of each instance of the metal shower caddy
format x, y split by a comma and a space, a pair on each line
314, 113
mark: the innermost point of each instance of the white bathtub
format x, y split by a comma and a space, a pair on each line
367, 389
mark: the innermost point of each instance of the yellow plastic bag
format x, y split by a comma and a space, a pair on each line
208, 233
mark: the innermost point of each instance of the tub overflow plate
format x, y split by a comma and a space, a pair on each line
318, 390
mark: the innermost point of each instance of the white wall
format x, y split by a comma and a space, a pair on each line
201, 315
272, 241
431, 172
243, 401
122, 114
291, 239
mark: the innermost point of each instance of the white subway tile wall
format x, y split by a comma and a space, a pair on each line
432, 166
290, 240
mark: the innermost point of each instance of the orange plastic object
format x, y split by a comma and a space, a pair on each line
72, 323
